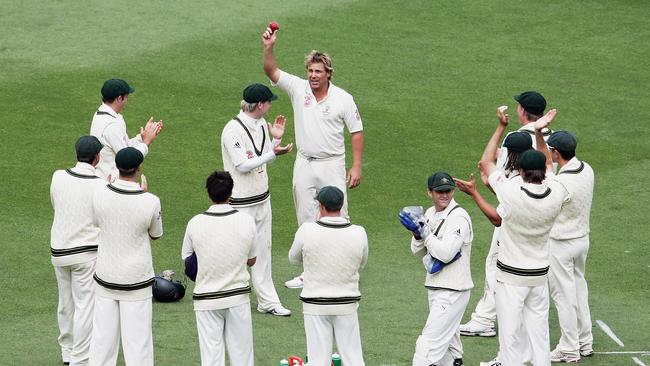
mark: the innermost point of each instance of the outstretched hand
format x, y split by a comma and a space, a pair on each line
281, 150
277, 128
468, 187
503, 117
545, 120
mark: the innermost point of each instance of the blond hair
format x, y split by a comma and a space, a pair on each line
315, 57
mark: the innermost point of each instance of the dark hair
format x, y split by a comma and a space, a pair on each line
511, 161
106, 100
536, 176
566, 155
86, 159
219, 186
127, 173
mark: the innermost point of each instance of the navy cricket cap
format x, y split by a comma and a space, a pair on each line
563, 141
128, 158
531, 160
532, 101
331, 198
518, 141
113, 88
258, 93
87, 147
441, 181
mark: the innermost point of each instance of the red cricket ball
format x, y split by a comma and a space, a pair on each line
274, 26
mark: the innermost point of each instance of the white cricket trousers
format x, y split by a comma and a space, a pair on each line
309, 176
441, 333
518, 306
569, 291
485, 312
75, 310
321, 330
232, 325
130, 320
261, 273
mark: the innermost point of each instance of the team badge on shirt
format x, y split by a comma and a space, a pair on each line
326, 111
307, 100
249, 154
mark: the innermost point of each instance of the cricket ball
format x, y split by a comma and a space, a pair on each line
274, 26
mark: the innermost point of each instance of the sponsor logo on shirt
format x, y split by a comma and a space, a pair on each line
307, 100
357, 115
237, 145
249, 154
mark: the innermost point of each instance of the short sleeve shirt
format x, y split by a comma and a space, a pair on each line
320, 125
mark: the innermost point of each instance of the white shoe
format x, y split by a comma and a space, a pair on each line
473, 329
277, 310
295, 282
494, 362
559, 356
586, 351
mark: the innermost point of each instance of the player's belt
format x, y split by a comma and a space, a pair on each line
234, 201
71, 251
221, 294
526, 272
310, 158
124, 287
330, 300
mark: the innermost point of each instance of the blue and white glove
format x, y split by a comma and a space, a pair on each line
412, 218
435, 265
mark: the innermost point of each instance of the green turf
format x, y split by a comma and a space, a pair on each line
427, 77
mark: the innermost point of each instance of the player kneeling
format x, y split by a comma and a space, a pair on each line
442, 238
219, 244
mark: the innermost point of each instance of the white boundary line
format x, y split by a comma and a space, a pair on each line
609, 332
638, 362
624, 353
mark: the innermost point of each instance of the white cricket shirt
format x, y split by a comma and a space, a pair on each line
332, 252
578, 178
320, 125
527, 212
109, 127
451, 231
127, 217
223, 240
240, 142
74, 236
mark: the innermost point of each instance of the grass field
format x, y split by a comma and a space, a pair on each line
427, 77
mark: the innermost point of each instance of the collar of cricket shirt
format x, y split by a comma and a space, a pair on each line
84, 168
249, 122
220, 207
105, 108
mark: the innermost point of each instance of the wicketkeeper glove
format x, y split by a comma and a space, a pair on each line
435, 265
412, 218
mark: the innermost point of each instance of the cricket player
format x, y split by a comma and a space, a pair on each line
109, 127
248, 144
530, 107
128, 217
74, 239
321, 111
449, 288
221, 302
332, 252
569, 245
526, 213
